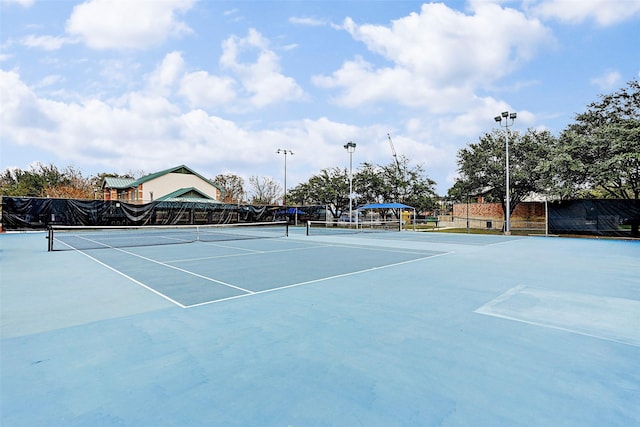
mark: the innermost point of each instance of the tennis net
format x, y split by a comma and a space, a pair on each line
332, 227
82, 238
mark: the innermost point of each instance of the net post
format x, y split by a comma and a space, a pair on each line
308, 226
50, 239
286, 229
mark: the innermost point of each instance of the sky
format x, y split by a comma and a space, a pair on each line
139, 86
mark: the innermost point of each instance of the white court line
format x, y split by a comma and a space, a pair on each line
545, 325
249, 292
160, 263
137, 282
387, 249
185, 271
218, 245
245, 254
607, 318
328, 245
380, 248
439, 240
511, 240
318, 280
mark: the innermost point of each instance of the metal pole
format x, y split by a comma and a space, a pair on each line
546, 217
507, 229
350, 187
284, 197
506, 116
468, 213
350, 147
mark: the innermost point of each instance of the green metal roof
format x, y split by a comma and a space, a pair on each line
190, 194
120, 183
178, 169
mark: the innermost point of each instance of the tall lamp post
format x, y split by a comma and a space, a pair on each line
507, 116
285, 152
350, 147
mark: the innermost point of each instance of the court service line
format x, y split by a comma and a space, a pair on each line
245, 254
186, 271
137, 282
510, 240
308, 282
383, 249
218, 245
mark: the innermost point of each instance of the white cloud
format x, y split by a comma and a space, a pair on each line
203, 90
45, 42
168, 73
603, 12
130, 24
608, 80
199, 88
149, 132
13, 92
49, 80
262, 79
118, 73
259, 81
312, 22
438, 57
23, 3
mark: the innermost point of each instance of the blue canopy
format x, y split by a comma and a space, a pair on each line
291, 211
386, 206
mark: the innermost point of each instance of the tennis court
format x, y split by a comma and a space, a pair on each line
373, 329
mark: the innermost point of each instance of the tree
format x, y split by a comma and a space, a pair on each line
482, 166
329, 188
233, 187
264, 191
46, 181
395, 182
72, 185
409, 185
371, 184
600, 152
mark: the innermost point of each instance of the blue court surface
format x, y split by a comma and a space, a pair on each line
383, 329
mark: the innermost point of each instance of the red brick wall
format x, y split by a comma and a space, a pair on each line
523, 211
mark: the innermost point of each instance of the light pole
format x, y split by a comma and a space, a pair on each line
507, 116
284, 197
350, 147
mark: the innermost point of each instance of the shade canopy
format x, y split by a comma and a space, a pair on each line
386, 206
291, 211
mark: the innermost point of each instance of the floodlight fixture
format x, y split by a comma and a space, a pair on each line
350, 146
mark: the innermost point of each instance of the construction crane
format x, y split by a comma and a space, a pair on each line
395, 156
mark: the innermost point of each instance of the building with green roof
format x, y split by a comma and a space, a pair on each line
179, 183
